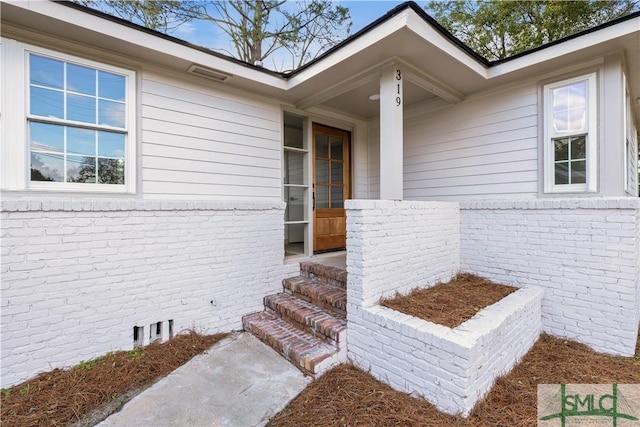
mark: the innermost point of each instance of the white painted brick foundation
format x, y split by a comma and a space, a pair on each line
452, 368
585, 253
395, 246
78, 274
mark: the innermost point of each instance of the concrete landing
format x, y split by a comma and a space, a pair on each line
240, 382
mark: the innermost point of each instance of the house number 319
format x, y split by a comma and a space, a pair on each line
399, 90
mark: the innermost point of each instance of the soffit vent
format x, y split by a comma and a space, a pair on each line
208, 73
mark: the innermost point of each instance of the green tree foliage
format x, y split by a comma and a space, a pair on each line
256, 28
499, 29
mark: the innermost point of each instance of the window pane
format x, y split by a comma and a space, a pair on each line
577, 119
47, 103
110, 144
336, 172
294, 172
322, 196
110, 171
111, 86
322, 146
561, 149
294, 237
295, 197
45, 137
81, 169
578, 148
570, 107
322, 171
336, 148
81, 141
81, 108
336, 198
111, 113
578, 172
81, 79
562, 174
47, 167
46, 72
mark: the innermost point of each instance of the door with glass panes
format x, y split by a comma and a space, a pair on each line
331, 187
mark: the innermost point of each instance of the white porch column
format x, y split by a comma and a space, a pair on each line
391, 138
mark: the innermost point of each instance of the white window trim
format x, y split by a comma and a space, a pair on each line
629, 143
15, 111
626, 131
592, 138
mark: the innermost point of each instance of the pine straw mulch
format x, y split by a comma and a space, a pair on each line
346, 396
61, 397
451, 303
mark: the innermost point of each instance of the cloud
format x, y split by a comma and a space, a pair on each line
185, 30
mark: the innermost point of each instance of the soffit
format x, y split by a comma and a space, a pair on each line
357, 102
405, 37
46, 19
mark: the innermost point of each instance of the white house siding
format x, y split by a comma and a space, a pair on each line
203, 142
485, 147
374, 159
360, 161
79, 274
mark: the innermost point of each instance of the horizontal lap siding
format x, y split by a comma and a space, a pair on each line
200, 142
374, 159
482, 148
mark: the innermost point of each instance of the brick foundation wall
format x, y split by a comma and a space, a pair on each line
584, 252
78, 275
394, 246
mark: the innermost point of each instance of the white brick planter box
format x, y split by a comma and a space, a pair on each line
451, 368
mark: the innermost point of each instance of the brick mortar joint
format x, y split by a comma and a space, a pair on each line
115, 204
602, 203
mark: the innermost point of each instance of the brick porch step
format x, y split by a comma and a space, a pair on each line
328, 297
308, 317
324, 274
308, 353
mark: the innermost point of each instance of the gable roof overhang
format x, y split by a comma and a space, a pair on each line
439, 66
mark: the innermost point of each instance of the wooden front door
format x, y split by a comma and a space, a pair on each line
331, 187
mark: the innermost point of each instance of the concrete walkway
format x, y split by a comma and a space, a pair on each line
240, 382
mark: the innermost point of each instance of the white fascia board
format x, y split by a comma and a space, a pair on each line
552, 52
140, 38
427, 32
364, 41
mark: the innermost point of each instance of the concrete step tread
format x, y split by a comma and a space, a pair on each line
300, 348
306, 315
325, 295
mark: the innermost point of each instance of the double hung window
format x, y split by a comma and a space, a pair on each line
571, 135
76, 119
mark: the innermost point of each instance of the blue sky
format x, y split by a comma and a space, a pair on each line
363, 12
